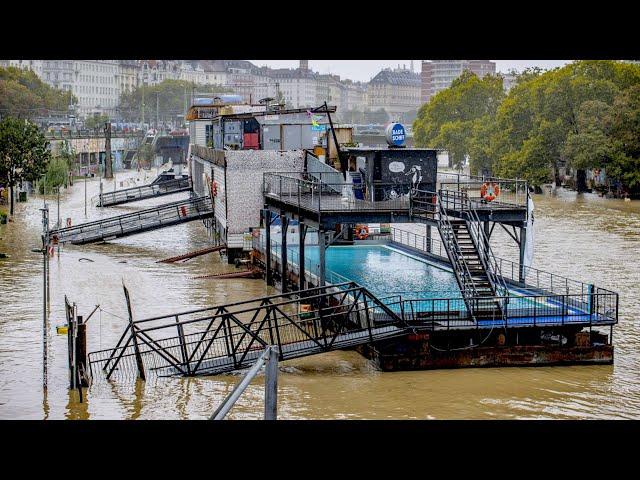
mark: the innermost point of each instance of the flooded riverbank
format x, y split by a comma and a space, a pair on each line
583, 237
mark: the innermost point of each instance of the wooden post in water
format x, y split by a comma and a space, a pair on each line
81, 354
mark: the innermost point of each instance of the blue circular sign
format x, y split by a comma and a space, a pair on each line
395, 134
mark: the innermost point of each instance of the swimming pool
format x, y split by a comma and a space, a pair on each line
387, 271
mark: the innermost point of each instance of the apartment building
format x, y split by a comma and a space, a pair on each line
437, 75
395, 90
129, 75
298, 87
95, 83
35, 65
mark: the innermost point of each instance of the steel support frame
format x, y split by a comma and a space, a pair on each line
267, 318
284, 224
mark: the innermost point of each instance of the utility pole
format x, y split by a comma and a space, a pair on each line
108, 168
142, 124
45, 261
157, 108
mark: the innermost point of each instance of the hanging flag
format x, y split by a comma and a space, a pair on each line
528, 251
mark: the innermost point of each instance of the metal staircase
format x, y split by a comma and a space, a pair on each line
475, 267
324, 173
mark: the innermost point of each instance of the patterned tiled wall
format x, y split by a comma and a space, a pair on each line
244, 182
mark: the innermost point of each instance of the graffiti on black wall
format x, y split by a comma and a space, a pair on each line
401, 176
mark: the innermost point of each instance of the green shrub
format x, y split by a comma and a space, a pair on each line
56, 176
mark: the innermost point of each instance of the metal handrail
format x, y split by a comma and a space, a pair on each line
151, 189
486, 256
480, 239
152, 215
290, 187
547, 281
270, 359
592, 308
460, 267
229, 340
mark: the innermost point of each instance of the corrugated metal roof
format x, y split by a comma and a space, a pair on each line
397, 77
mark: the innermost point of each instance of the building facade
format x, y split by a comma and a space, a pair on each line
397, 91
439, 74
34, 65
129, 75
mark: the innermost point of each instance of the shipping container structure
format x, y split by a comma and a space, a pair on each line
232, 146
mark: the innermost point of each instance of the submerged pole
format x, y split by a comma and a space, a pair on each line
271, 384
523, 246
284, 223
267, 222
322, 243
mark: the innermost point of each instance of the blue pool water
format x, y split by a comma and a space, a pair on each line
387, 271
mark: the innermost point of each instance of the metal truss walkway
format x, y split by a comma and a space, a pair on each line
133, 223
143, 192
221, 339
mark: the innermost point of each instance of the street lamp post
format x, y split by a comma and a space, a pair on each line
58, 222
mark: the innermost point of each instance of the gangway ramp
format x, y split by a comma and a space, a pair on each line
135, 194
134, 223
229, 337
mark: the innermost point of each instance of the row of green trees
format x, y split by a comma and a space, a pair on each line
24, 153
165, 100
584, 115
25, 156
24, 95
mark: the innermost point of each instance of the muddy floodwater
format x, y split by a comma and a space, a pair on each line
583, 237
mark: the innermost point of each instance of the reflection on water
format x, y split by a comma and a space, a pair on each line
583, 237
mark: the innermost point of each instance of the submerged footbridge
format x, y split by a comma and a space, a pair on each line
146, 220
144, 192
225, 338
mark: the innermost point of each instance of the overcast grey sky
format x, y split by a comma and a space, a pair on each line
364, 70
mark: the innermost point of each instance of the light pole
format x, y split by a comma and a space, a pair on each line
85, 187
58, 222
45, 291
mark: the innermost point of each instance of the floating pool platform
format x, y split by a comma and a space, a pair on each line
548, 320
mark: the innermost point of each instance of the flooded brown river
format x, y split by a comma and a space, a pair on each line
583, 237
